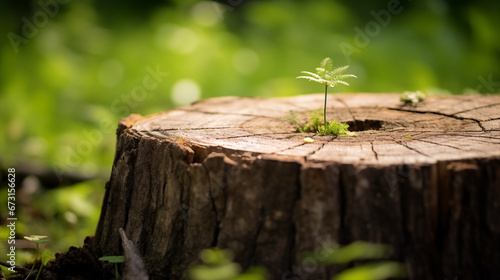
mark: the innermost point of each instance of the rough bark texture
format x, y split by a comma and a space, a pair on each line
232, 172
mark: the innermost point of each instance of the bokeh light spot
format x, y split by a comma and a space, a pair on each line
185, 92
176, 38
205, 13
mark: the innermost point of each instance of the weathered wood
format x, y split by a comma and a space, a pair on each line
232, 172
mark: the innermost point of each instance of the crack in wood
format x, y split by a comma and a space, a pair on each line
289, 148
272, 134
315, 151
214, 206
347, 107
479, 140
440, 114
480, 125
413, 149
477, 108
480, 136
260, 225
468, 137
439, 144
373, 150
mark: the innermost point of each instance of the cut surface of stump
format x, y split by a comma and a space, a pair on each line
234, 173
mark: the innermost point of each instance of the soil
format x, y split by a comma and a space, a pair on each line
76, 264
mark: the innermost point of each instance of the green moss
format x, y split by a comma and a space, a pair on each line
335, 128
315, 124
413, 98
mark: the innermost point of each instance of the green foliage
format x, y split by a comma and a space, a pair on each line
335, 128
37, 238
218, 265
71, 215
327, 75
373, 271
357, 251
113, 259
313, 123
413, 98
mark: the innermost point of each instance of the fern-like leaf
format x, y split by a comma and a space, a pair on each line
327, 64
312, 74
328, 75
339, 69
321, 81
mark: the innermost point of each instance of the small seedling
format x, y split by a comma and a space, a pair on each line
413, 98
114, 259
38, 239
327, 75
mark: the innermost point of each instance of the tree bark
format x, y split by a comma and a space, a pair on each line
233, 172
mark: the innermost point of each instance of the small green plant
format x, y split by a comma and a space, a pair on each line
314, 124
38, 239
114, 259
329, 76
218, 265
413, 98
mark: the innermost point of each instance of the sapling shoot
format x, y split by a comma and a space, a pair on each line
38, 239
114, 259
327, 75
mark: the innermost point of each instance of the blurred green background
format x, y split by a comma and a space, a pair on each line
69, 70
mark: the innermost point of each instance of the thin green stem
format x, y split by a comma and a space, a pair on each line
324, 109
39, 271
116, 270
33, 266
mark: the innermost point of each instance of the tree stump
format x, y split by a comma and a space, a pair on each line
233, 172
